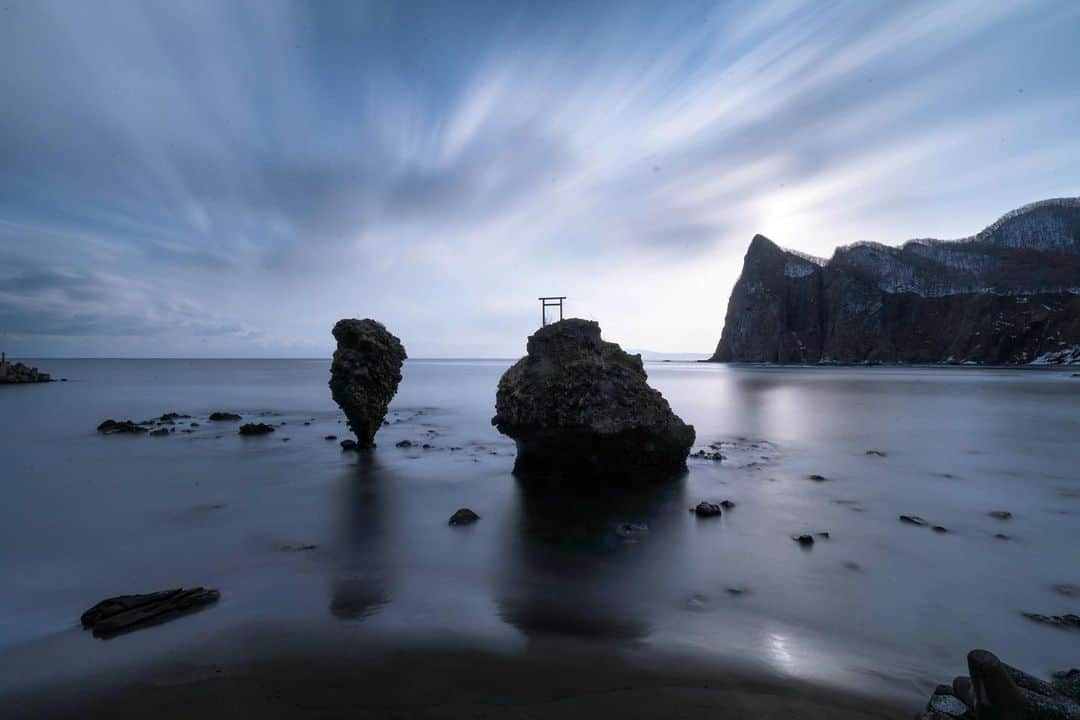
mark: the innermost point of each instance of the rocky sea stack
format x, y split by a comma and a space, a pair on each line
579, 406
365, 374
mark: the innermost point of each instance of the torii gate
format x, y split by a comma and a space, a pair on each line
546, 302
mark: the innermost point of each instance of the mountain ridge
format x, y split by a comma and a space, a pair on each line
1009, 294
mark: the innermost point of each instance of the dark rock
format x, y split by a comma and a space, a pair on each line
349, 445
426, 446
194, 424
816, 478
715, 456
1067, 620
224, 416
403, 444
579, 406
706, 509
727, 504
961, 687
114, 427
364, 375
1000, 514
877, 453
256, 429
1003, 536
298, 548
804, 540
160, 432
944, 690
913, 520
463, 516
130, 612
330, 437
1002, 691
1067, 683
17, 373
824, 535
1006, 301
940, 529
306, 423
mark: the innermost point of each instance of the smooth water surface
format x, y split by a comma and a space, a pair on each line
86, 516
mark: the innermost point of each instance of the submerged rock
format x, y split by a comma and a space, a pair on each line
130, 612
577, 405
913, 520
463, 516
256, 429
706, 509
120, 427
224, 416
364, 374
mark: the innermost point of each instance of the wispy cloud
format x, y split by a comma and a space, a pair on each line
235, 176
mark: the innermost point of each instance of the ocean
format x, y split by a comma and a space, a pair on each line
300, 535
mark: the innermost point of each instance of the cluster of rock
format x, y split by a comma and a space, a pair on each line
997, 691
578, 405
364, 374
1009, 295
125, 613
16, 373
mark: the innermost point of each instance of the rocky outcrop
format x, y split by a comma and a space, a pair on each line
998, 691
125, 613
17, 373
1008, 295
365, 374
578, 405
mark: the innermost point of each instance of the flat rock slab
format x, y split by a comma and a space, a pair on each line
125, 613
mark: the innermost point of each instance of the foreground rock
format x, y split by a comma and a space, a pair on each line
124, 613
997, 691
576, 404
17, 373
365, 374
463, 516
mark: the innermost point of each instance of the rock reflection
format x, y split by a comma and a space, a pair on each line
364, 574
579, 560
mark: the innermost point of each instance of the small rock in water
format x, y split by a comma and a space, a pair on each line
913, 520
330, 437
940, 529
876, 453
1003, 536
727, 504
1067, 620
349, 445
824, 535
129, 612
297, 548
256, 429
804, 540
113, 427
403, 444
1000, 514
735, 591
706, 509
816, 478
160, 432
463, 516
223, 416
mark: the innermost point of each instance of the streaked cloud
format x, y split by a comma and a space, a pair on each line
229, 178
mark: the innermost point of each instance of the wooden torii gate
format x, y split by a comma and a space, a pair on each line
546, 302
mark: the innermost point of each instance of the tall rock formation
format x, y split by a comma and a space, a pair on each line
365, 374
579, 406
1008, 295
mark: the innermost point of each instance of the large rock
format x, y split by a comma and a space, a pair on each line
576, 404
365, 374
17, 373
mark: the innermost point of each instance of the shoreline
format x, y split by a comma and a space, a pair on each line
265, 672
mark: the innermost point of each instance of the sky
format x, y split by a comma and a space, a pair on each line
227, 179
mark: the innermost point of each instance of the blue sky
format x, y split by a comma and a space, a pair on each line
229, 178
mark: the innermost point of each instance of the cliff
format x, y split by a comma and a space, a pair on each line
1007, 295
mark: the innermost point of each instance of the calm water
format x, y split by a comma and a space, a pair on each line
86, 516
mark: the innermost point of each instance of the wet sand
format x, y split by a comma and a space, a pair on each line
275, 677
